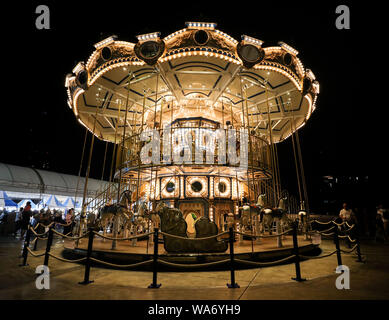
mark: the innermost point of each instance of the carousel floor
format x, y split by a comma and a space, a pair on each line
128, 252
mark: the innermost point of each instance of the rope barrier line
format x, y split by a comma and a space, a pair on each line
204, 238
38, 234
319, 222
45, 226
349, 251
347, 236
35, 254
327, 234
349, 225
333, 221
122, 265
340, 224
348, 229
40, 238
69, 237
264, 236
128, 238
321, 232
63, 224
318, 257
259, 264
181, 265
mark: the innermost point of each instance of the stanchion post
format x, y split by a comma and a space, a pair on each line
48, 246
359, 249
154, 284
88, 255
336, 240
278, 228
233, 284
36, 243
25, 246
296, 252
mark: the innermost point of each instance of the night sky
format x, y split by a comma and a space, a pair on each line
346, 135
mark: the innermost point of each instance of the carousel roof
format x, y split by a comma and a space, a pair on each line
198, 71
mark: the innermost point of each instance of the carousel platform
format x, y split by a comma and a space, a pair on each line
128, 252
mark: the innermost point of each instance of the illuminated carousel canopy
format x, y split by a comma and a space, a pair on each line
195, 72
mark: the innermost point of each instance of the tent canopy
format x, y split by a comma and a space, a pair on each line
6, 201
53, 202
70, 203
23, 203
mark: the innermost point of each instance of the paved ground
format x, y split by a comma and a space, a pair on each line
368, 280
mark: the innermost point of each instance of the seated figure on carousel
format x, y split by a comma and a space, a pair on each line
246, 218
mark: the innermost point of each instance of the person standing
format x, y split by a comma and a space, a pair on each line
26, 216
69, 222
382, 221
348, 217
346, 214
385, 219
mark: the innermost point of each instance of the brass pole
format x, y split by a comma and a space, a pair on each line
302, 174
88, 170
232, 116
82, 160
295, 160
138, 180
114, 153
105, 156
222, 115
271, 146
123, 139
115, 229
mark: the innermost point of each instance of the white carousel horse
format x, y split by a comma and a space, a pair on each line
116, 213
278, 214
139, 219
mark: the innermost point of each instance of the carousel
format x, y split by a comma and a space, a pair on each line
194, 119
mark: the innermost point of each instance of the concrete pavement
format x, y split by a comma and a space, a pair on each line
368, 280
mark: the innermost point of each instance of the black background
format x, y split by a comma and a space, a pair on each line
346, 135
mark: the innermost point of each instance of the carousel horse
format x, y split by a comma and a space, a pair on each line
139, 219
92, 221
268, 215
172, 222
248, 214
118, 212
251, 212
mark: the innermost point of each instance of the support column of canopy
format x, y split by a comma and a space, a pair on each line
113, 160
83, 208
116, 219
81, 162
271, 151
303, 194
